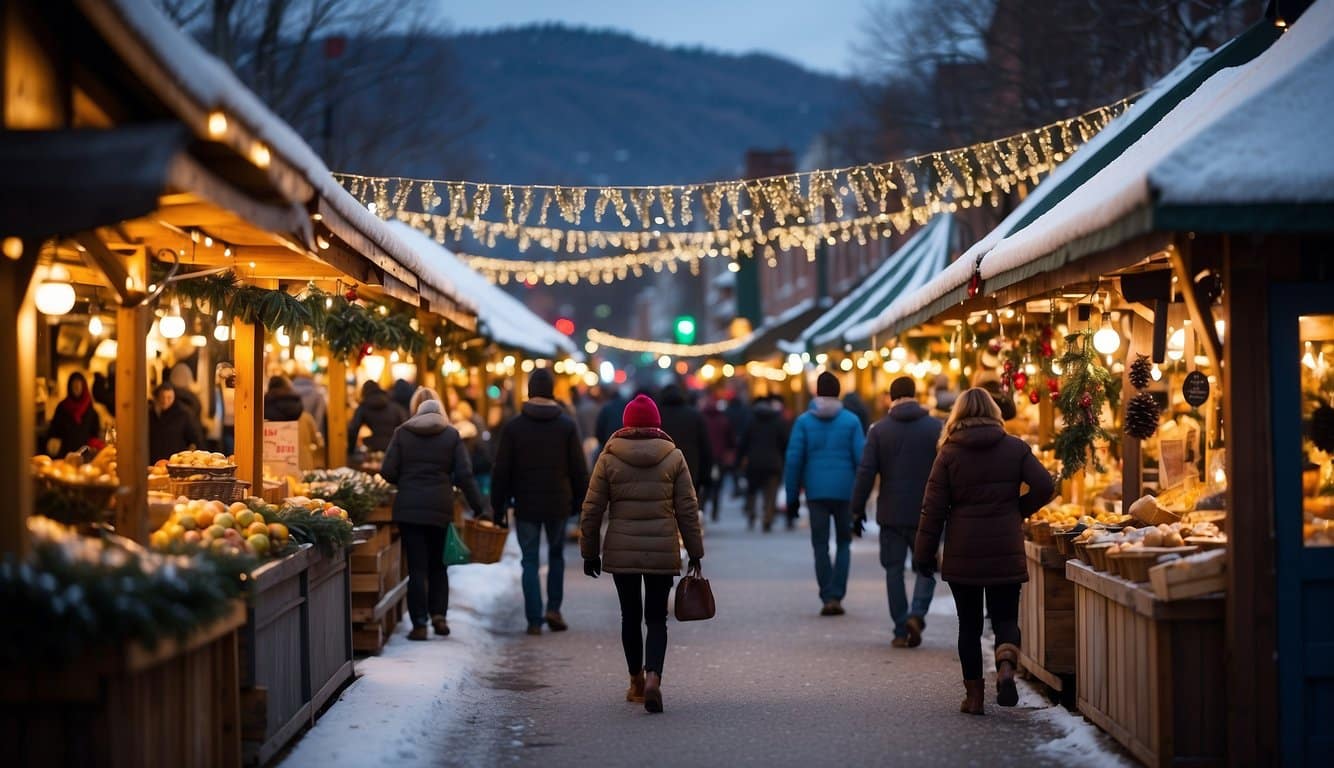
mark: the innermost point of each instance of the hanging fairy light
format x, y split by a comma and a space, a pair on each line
95, 325
1106, 340
172, 325
55, 295
221, 331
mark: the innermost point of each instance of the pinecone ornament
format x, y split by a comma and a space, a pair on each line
1141, 372
1142, 416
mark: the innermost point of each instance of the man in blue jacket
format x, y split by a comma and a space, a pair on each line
822, 455
900, 448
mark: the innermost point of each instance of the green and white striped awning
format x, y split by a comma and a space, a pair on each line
904, 271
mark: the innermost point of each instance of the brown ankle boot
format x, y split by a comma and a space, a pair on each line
652, 692
1007, 661
635, 693
976, 691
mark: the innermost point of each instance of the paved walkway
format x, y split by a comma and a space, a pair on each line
768, 682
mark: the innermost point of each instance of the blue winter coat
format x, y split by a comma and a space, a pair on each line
823, 452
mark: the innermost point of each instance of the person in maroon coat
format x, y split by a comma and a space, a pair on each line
973, 499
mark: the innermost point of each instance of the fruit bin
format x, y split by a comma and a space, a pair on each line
1150, 671
1047, 620
116, 708
379, 584
275, 663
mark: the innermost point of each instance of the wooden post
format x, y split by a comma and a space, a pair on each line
336, 441
132, 419
18, 420
250, 404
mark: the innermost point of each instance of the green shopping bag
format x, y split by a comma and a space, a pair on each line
456, 552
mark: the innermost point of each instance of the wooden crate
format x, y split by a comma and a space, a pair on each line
1047, 619
330, 630
379, 588
275, 662
176, 705
1150, 671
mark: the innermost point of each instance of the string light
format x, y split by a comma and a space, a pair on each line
662, 348
55, 294
898, 193
172, 325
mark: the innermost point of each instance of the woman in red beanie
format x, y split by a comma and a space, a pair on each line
643, 486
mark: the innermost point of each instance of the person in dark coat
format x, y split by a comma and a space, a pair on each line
900, 449
283, 403
426, 459
686, 426
760, 456
540, 469
738, 413
75, 422
722, 445
171, 428
401, 393
379, 413
609, 418
854, 403
973, 501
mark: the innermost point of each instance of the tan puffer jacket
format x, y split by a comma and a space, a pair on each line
642, 485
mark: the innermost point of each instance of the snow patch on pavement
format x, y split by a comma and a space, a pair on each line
404, 700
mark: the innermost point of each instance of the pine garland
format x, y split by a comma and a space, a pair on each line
349, 328
1084, 389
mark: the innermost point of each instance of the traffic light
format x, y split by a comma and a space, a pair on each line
685, 329
565, 325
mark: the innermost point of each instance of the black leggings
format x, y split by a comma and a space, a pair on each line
428, 582
649, 608
1003, 607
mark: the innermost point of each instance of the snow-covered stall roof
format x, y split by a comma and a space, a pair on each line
949, 287
902, 273
1251, 134
194, 84
505, 319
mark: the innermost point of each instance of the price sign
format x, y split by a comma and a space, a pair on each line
281, 454
1195, 389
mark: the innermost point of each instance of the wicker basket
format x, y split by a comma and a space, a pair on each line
1134, 564
1097, 554
1041, 534
485, 541
74, 504
1065, 542
183, 471
227, 490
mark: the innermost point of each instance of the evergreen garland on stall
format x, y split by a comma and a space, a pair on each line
1083, 393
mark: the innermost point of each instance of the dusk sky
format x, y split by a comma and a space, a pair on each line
816, 34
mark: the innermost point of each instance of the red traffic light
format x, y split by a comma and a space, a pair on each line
565, 325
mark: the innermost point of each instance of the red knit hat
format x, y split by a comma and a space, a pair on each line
642, 412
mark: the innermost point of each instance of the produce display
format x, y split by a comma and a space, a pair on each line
1152, 537
1065, 516
204, 459
73, 470
357, 492
253, 527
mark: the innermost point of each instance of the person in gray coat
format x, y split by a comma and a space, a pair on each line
900, 449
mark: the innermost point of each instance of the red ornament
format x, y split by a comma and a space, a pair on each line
975, 284
1054, 387
1009, 366
1047, 350
351, 294
1034, 397
1086, 400
1020, 380
366, 350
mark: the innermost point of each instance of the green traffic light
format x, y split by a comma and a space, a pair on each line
685, 330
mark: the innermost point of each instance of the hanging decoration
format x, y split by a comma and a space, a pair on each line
1142, 409
348, 327
661, 348
1083, 394
741, 214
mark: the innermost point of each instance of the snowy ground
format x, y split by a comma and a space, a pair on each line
488, 695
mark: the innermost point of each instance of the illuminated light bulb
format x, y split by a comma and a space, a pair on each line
1056, 368
664, 362
893, 366
107, 349
259, 155
733, 266
729, 370
217, 125
606, 372
1156, 373
527, 366
199, 341
1031, 369
559, 366
821, 359
172, 325
1106, 340
508, 361
374, 365
227, 252
55, 295
321, 242
591, 347
706, 371
208, 242
990, 318
222, 332
305, 336
954, 364
281, 337
95, 324
861, 364
393, 356
900, 354
13, 248
845, 364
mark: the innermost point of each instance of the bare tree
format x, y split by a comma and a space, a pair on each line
372, 84
956, 71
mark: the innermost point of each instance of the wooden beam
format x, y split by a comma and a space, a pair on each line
113, 266
132, 458
18, 416
1203, 320
249, 348
337, 415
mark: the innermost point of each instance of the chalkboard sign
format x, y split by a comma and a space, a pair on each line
1195, 389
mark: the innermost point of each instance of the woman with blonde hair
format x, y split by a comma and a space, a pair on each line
420, 396
974, 500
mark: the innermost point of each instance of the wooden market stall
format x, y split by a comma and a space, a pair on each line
1200, 238
144, 167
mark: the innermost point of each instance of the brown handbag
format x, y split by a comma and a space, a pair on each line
694, 598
